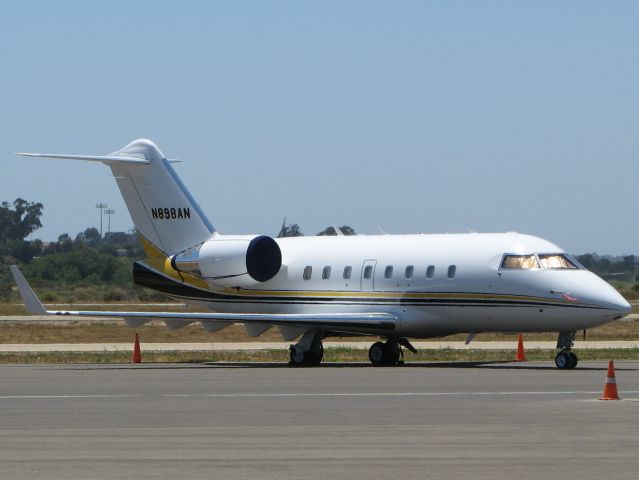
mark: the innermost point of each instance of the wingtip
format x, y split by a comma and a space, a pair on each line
31, 301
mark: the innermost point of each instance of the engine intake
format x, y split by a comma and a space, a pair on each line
263, 258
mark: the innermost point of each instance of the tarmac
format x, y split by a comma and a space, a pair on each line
246, 421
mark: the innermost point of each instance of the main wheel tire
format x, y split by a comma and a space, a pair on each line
562, 360
300, 358
573, 360
377, 354
393, 353
297, 355
314, 357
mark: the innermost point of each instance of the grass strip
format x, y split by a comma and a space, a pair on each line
331, 355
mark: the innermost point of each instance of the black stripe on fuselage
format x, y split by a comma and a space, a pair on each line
146, 277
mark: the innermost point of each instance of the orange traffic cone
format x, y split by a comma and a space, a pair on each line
610, 387
137, 355
521, 355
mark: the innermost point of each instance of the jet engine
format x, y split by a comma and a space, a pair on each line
232, 261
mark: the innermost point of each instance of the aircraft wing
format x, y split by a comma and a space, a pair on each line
374, 322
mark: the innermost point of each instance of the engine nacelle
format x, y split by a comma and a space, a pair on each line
232, 261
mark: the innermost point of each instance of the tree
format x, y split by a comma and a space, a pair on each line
17, 222
90, 238
289, 230
628, 263
345, 229
588, 260
83, 265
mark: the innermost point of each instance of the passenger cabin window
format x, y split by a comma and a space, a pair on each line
388, 272
326, 273
557, 262
526, 262
308, 271
409, 272
368, 271
347, 272
430, 271
451, 271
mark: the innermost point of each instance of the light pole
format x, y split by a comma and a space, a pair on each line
101, 206
109, 212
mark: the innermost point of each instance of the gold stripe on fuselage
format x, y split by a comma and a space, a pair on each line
159, 261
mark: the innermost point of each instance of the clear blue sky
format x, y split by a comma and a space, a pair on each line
418, 116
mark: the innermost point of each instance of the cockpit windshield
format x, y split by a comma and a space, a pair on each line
551, 261
557, 261
520, 261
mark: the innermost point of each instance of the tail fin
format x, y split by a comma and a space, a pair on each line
162, 209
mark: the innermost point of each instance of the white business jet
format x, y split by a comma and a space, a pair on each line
393, 287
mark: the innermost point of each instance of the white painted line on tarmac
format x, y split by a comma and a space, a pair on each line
298, 395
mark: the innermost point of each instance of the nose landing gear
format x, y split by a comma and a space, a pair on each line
566, 359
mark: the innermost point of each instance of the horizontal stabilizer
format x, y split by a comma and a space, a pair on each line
91, 158
95, 158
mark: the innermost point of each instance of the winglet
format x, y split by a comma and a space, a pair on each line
28, 296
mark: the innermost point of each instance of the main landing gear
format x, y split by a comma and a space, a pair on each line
308, 352
389, 353
566, 359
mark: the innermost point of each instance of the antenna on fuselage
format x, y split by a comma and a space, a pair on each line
381, 230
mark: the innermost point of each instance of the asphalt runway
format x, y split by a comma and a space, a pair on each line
246, 421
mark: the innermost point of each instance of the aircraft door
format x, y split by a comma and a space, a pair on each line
368, 275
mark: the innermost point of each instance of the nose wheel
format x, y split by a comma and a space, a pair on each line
566, 360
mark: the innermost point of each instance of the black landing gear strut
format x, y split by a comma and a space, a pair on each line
566, 359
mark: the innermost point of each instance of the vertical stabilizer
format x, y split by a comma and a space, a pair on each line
161, 207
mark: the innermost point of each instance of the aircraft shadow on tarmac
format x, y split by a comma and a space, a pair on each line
494, 365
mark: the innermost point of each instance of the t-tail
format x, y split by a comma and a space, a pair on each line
162, 209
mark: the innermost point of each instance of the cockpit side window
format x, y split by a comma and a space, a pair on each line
523, 262
557, 261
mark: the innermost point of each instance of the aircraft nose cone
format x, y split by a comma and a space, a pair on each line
616, 302
624, 307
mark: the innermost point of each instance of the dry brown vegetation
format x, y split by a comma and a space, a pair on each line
156, 332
